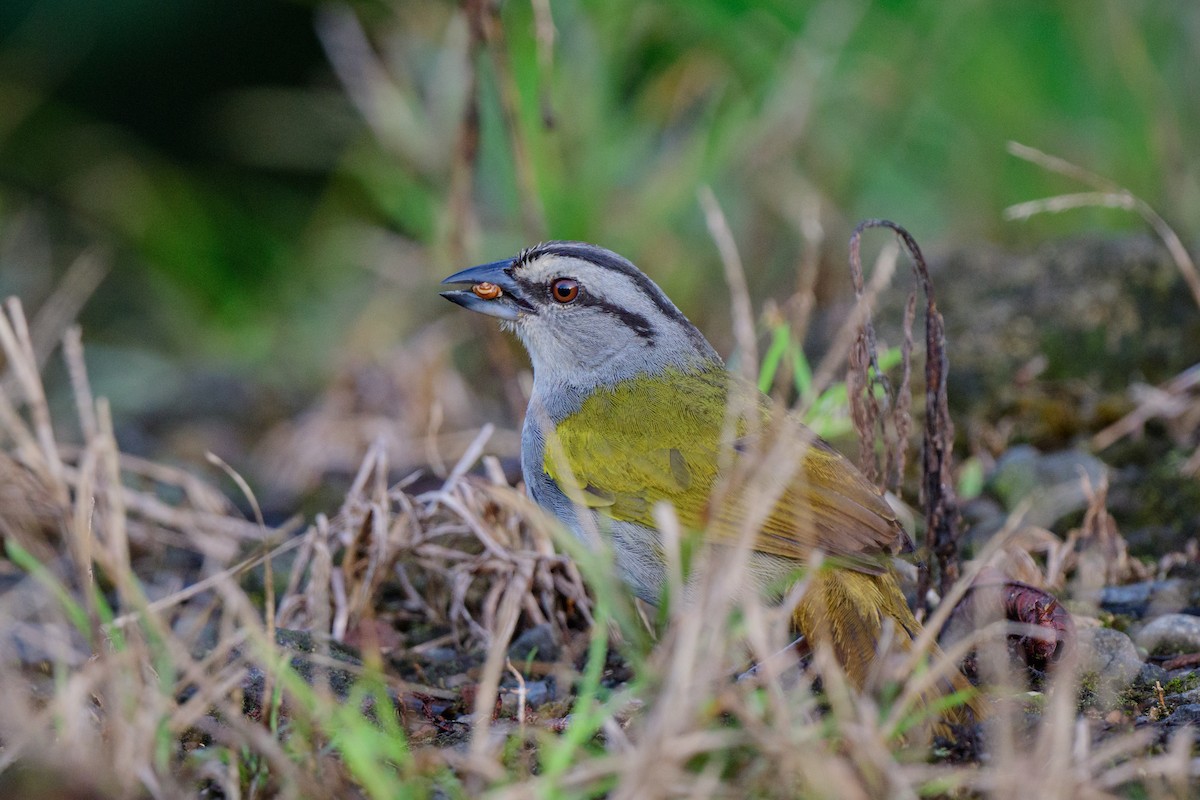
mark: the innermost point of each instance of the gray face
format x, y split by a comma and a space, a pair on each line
586, 315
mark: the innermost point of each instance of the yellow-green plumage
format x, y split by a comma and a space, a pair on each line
629, 408
645, 441
847, 609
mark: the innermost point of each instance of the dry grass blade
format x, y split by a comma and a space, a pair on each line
387, 108
519, 584
1170, 400
735, 276
22, 361
56, 315
85, 404
1108, 195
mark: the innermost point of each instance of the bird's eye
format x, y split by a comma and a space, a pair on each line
564, 290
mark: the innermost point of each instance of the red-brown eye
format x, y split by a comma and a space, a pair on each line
564, 290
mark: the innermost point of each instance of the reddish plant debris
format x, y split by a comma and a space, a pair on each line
1033, 606
1048, 632
1182, 661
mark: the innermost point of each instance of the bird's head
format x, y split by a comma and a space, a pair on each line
587, 316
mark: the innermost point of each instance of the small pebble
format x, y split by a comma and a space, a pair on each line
538, 642
1171, 634
1112, 657
1110, 654
1184, 715
1146, 598
1049, 482
537, 693
439, 655
1151, 674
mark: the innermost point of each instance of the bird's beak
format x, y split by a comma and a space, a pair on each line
492, 291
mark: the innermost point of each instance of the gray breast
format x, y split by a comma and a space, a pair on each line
636, 549
542, 487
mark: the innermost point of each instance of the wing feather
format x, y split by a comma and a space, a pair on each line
646, 441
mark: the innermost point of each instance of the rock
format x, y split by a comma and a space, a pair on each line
1171, 634
36, 646
440, 655
1184, 715
982, 517
537, 693
1093, 309
1151, 674
1147, 598
308, 660
1183, 698
1187, 675
1112, 658
1109, 652
1051, 483
538, 642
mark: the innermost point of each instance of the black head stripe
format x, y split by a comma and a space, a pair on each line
532, 288
633, 320
529, 254
606, 259
609, 260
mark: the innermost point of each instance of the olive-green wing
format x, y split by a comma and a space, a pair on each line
826, 503
648, 440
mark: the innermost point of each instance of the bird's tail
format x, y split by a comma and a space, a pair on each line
845, 609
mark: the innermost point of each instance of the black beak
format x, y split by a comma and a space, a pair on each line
508, 304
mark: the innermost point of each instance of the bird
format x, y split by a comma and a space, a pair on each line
632, 406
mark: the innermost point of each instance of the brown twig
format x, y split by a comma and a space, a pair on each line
941, 505
864, 374
1183, 661
1167, 400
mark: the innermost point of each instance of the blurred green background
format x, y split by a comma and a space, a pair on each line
275, 188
